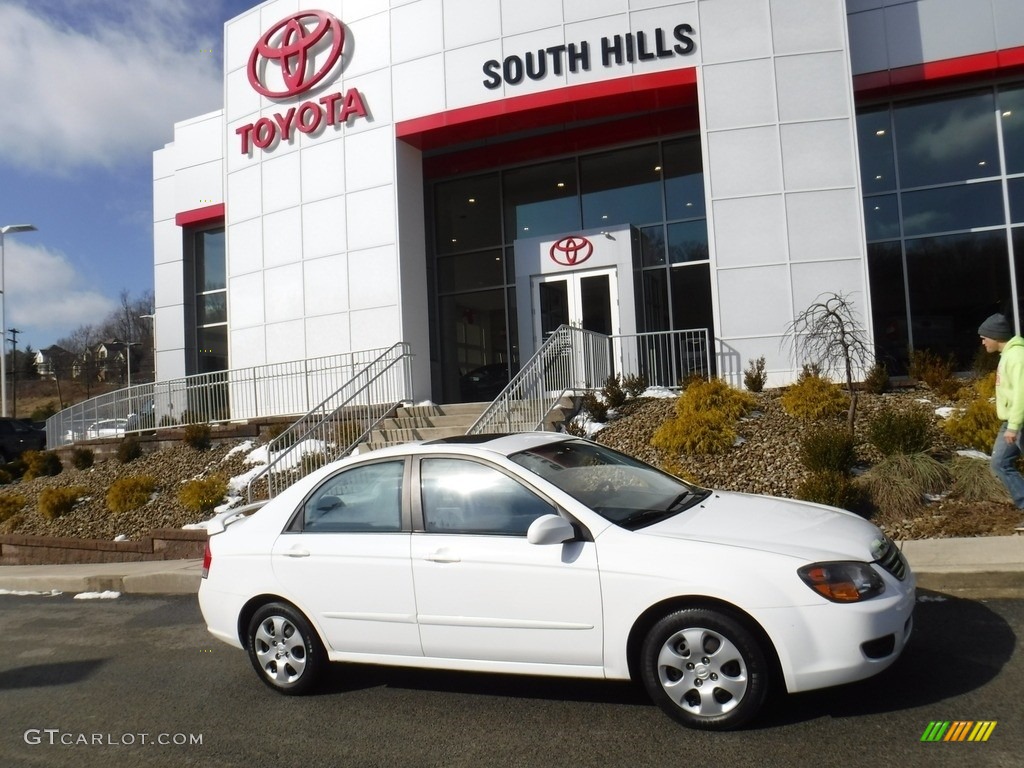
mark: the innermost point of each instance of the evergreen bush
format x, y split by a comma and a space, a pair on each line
203, 495
755, 376
828, 487
10, 505
197, 436
813, 398
906, 431
130, 493
41, 464
635, 384
57, 502
614, 396
828, 450
82, 458
129, 450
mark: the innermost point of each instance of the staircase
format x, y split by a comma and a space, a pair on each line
431, 422
424, 422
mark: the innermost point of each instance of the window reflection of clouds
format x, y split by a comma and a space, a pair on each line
946, 140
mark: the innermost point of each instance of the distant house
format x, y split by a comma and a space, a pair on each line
50, 361
110, 359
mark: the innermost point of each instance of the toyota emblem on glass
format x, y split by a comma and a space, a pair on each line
293, 43
572, 250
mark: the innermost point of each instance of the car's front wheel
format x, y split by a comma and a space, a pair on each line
705, 669
284, 649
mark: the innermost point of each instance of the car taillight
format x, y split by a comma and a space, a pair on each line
207, 559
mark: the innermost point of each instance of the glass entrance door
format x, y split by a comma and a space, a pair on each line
584, 299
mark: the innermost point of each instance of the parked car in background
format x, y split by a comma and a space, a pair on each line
547, 554
17, 436
106, 428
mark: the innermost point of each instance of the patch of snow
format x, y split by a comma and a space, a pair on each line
106, 595
240, 448
663, 392
970, 453
28, 592
945, 411
120, 537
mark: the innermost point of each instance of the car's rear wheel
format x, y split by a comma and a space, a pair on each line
284, 650
705, 669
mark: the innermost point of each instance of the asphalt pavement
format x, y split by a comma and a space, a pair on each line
980, 567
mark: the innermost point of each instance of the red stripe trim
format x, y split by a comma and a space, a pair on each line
587, 101
206, 215
1009, 61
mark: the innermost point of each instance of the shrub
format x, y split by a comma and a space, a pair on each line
203, 495
813, 398
594, 406
10, 505
935, 371
897, 483
197, 436
877, 379
130, 493
41, 464
705, 414
574, 428
5, 477
612, 391
635, 384
972, 480
715, 394
755, 376
129, 450
906, 432
828, 487
828, 450
809, 371
82, 458
57, 502
976, 424
695, 433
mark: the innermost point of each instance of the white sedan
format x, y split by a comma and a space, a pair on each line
545, 554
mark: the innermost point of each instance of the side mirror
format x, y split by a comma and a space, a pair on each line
550, 529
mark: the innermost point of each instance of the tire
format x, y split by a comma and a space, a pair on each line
705, 669
284, 650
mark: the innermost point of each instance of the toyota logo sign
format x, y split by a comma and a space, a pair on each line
293, 44
572, 250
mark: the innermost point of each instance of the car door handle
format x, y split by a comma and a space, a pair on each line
297, 553
443, 556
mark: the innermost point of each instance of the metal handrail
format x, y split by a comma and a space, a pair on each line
569, 359
572, 359
277, 389
343, 420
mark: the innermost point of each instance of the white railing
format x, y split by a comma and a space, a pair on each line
280, 389
572, 360
343, 420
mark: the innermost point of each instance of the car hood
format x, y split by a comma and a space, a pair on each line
799, 529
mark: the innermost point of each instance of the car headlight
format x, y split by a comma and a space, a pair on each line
843, 582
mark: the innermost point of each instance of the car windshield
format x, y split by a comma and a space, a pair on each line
621, 489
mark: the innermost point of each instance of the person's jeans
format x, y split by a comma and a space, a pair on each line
1004, 464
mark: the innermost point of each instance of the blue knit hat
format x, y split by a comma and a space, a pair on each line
996, 327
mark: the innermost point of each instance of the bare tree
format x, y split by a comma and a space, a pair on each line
829, 333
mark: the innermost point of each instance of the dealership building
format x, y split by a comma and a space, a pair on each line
465, 175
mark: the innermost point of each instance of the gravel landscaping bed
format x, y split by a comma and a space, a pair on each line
766, 460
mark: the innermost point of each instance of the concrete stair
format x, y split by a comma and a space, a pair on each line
425, 422
432, 422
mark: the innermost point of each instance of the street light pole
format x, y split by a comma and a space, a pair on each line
12, 228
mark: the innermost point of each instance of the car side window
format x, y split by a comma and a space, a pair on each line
460, 496
367, 498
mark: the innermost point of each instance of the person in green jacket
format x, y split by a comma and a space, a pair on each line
997, 336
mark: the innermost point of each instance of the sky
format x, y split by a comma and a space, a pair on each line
89, 89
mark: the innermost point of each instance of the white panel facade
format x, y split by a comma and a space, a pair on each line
324, 219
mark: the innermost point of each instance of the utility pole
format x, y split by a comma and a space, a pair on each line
14, 372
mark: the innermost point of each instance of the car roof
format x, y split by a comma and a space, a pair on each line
503, 444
